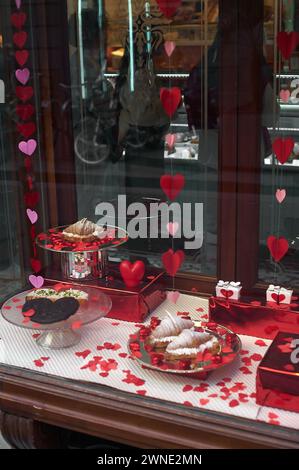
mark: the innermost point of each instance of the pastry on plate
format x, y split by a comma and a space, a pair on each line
169, 328
53, 295
189, 343
83, 231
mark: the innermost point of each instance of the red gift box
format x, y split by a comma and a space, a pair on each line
128, 304
277, 383
254, 318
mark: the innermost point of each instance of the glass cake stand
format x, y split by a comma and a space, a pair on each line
82, 261
62, 334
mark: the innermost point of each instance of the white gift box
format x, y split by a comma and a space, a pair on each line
228, 290
279, 295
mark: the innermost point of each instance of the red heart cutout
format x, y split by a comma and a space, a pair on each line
25, 111
18, 19
278, 247
24, 93
287, 43
131, 273
20, 39
172, 261
27, 129
283, 148
169, 7
31, 199
278, 297
35, 265
172, 185
22, 57
227, 293
170, 99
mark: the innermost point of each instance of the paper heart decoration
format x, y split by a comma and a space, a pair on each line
287, 43
172, 261
173, 296
26, 129
170, 140
227, 293
18, 4
32, 216
172, 185
20, 39
172, 228
131, 273
278, 247
283, 148
36, 281
25, 111
18, 19
24, 93
22, 57
169, 47
170, 99
278, 297
35, 265
29, 147
31, 199
284, 95
22, 75
169, 7
280, 195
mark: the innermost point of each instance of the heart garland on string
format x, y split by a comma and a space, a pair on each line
25, 111
20, 39
287, 43
23, 75
26, 129
169, 47
280, 195
22, 57
284, 95
172, 261
283, 148
170, 140
170, 99
18, 19
169, 7
278, 247
172, 185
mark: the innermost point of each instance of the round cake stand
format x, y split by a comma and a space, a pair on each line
82, 261
62, 334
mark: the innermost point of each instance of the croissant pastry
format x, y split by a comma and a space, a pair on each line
169, 328
83, 230
189, 343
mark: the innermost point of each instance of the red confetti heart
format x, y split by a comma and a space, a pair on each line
270, 329
38, 363
187, 403
169, 7
172, 185
29, 313
283, 148
170, 99
233, 403
256, 357
141, 392
20, 39
278, 247
287, 43
18, 19
260, 342
187, 388
132, 274
172, 261
45, 358
76, 325
22, 57
83, 354
24, 93
204, 401
27, 129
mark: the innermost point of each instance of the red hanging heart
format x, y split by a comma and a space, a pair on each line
25, 111
283, 148
169, 7
18, 19
131, 273
28, 163
27, 129
227, 293
20, 39
31, 199
35, 265
172, 185
172, 261
24, 93
287, 43
170, 99
32, 233
22, 57
278, 247
278, 297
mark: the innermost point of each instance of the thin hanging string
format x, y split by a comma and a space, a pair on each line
81, 56
131, 46
102, 55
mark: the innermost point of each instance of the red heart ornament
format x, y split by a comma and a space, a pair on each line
278, 297
170, 99
24, 93
131, 273
25, 111
287, 43
172, 261
283, 148
20, 39
227, 293
278, 247
22, 57
35, 265
18, 19
169, 7
27, 129
172, 185
31, 199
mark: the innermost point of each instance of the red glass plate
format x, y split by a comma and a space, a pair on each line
230, 346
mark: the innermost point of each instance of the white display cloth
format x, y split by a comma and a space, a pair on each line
230, 390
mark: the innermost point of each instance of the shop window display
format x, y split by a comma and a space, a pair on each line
148, 196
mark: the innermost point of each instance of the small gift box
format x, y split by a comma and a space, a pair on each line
277, 382
278, 294
128, 304
228, 290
